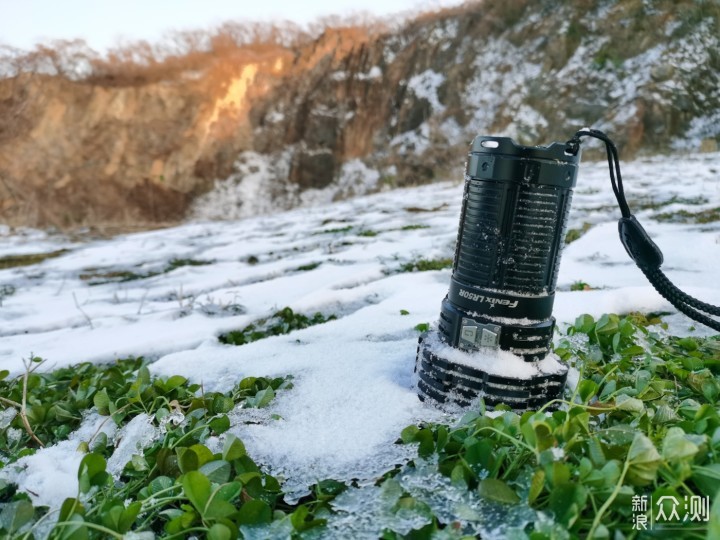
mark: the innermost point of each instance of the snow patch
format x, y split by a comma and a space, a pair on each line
704, 127
503, 76
250, 191
425, 86
132, 439
414, 142
494, 361
355, 178
49, 476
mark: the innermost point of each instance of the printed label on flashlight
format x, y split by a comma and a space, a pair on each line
487, 299
499, 304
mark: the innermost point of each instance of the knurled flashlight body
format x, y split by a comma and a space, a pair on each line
512, 226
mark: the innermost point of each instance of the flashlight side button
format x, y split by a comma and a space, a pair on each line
469, 333
489, 339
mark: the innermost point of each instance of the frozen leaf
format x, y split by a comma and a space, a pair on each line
217, 471
626, 403
677, 446
16, 514
643, 459
497, 490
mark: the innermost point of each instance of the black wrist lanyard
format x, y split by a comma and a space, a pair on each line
639, 245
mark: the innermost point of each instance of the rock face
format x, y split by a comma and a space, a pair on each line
350, 112
76, 152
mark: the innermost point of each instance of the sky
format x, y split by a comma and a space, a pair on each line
104, 24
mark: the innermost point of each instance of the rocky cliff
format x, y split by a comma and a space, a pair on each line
350, 111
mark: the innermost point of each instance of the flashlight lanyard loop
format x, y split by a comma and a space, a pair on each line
639, 245
573, 145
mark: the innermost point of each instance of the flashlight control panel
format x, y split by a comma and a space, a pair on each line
474, 334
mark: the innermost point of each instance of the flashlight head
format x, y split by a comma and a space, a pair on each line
512, 226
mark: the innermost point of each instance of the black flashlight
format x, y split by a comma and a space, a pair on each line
512, 227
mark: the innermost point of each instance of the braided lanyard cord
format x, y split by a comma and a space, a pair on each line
638, 244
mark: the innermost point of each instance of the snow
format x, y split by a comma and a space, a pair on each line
511, 80
259, 186
275, 117
495, 361
703, 127
453, 133
413, 142
374, 73
353, 390
247, 192
50, 475
137, 435
425, 85
355, 178
444, 33
503, 75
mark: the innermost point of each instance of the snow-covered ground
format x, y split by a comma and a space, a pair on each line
353, 389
